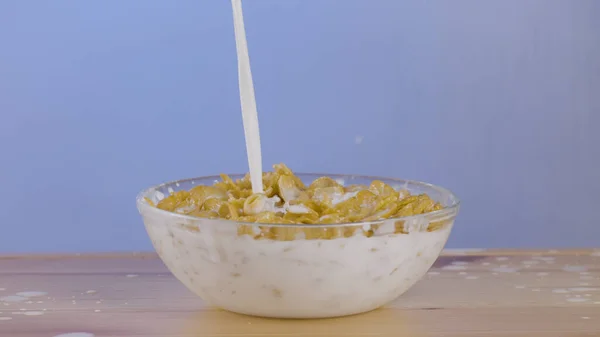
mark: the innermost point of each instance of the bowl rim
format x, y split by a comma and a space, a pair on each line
447, 211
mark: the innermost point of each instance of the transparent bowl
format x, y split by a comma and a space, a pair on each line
322, 271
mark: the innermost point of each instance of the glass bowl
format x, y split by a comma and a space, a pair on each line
319, 271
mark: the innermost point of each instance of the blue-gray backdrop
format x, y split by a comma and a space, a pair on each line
497, 100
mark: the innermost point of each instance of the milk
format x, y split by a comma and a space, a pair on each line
247, 100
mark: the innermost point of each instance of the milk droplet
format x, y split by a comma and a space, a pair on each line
530, 262
582, 289
33, 313
505, 270
5, 318
131, 275
574, 269
544, 258
13, 298
460, 263
577, 300
32, 293
76, 334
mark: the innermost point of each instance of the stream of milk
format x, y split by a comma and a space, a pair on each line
247, 99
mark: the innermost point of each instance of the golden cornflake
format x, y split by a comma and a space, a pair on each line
287, 200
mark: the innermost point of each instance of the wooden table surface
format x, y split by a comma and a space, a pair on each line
468, 293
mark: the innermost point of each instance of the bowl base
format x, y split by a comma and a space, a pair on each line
297, 317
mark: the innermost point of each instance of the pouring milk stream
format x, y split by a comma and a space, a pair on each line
247, 100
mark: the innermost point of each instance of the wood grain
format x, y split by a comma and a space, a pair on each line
467, 293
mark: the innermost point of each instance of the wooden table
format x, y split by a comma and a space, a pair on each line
467, 293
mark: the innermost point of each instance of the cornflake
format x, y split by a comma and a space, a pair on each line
287, 200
